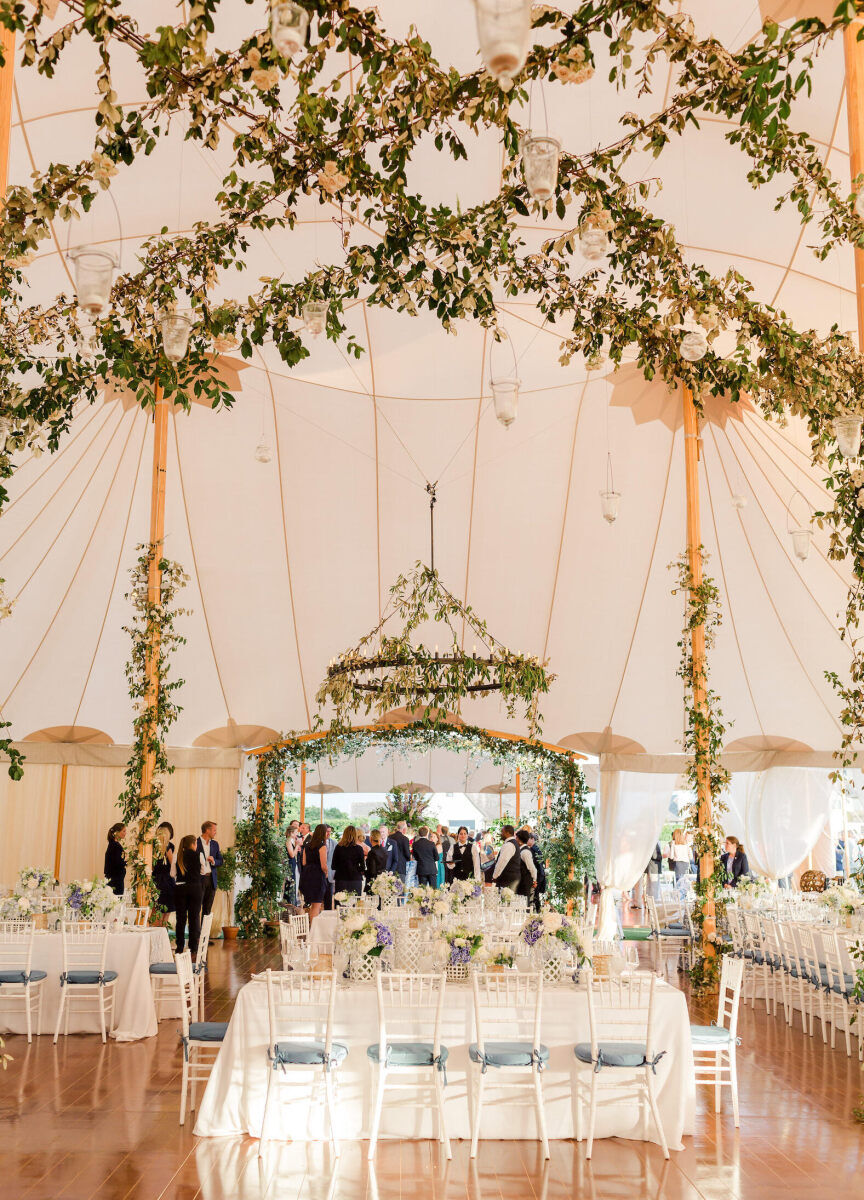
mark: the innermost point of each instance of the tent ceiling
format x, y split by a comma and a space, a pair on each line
290, 560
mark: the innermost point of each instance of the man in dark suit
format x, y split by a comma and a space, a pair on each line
211, 861
400, 851
425, 855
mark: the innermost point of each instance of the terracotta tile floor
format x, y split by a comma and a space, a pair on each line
85, 1120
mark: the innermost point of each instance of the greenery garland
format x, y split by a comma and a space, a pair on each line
155, 715
388, 670
704, 733
567, 842
260, 839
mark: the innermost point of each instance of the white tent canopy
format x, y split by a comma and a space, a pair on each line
290, 560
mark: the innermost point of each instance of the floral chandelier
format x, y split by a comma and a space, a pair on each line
387, 669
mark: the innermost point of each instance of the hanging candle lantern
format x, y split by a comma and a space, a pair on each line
593, 243
847, 433
289, 24
609, 501
801, 539
504, 32
739, 500
315, 317
505, 396
175, 335
540, 166
694, 344
263, 453
5, 430
94, 277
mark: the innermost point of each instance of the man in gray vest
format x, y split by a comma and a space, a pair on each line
508, 868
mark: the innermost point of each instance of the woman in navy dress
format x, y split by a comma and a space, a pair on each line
313, 871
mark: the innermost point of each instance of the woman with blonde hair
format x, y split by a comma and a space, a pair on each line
163, 858
679, 856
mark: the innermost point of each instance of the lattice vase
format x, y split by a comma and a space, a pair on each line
362, 967
456, 972
551, 961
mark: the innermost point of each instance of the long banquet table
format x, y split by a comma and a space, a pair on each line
130, 952
233, 1102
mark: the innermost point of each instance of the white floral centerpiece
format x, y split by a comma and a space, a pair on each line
552, 937
466, 889
753, 894
91, 899
27, 900
501, 956
420, 900
459, 946
364, 940
387, 887
505, 896
346, 899
843, 898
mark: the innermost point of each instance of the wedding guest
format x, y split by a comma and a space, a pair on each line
680, 857
734, 862
425, 856
376, 859
293, 842
163, 859
435, 839
348, 862
537, 855
400, 851
331, 846
411, 868
527, 883
654, 870
189, 893
313, 871
115, 859
463, 857
211, 860
507, 870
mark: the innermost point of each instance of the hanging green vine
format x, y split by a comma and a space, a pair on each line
567, 841
259, 843
704, 733
155, 715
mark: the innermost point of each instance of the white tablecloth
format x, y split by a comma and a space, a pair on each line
129, 954
234, 1099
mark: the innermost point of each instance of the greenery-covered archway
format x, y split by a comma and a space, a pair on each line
260, 837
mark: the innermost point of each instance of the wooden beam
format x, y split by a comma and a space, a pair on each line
854, 51
518, 795
302, 793
697, 648
318, 734
571, 874
61, 810
7, 79
154, 587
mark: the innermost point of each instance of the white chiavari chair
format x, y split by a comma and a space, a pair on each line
714, 1045
622, 1056
20, 983
302, 1003
163, 975
137, 915
793, 976
761, 968
85, 982
839, 988
404, 1000
507, 1016
812, 972
202, 1040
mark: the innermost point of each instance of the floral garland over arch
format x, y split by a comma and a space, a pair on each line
560, 774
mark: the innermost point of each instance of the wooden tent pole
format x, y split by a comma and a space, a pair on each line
7, 78
518, 794
854, 51
571, 874
154, 591
302, 793
697, 649
61, 810
539, 795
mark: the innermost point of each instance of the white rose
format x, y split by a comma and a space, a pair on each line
87, 887
23, 903
32, 883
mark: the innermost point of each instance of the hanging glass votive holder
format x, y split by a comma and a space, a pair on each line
263, 453
315, 317
694, 344
593, 243
289, 24
504, 34
609, 501
505, 396
94, 278
175, 327
801, 539
540, 166
847, 434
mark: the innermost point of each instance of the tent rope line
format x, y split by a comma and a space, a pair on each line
374, 400
473, 483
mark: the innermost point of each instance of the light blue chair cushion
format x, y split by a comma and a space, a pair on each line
207, 1031
508, 1054
21, 976
674, 933
709, 1035
306, 1054
90, 976
408, 1054
613, 1054
163, 968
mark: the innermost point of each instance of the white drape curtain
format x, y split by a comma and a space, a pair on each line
629, 815
779, 815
